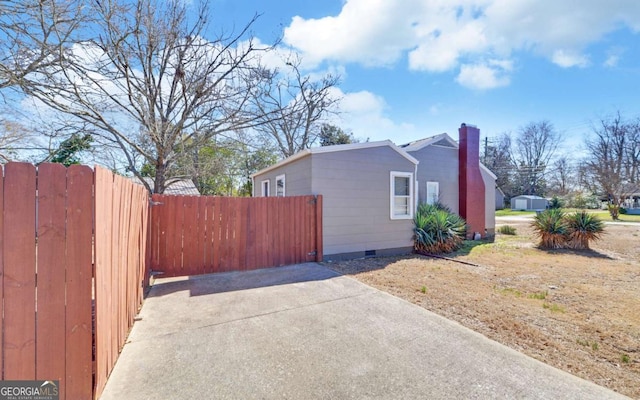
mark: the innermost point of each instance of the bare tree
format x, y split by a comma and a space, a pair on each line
34, 37
497, 157
13, 137
611, 161
561, 176
535, 146
150, 82
296, 106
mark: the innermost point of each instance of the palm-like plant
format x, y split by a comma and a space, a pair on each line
437, 229
583, 227
550, 226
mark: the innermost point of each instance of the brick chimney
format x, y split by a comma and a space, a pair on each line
471, 185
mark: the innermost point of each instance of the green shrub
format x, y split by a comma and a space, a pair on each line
507, 230
556, 202
550, 226
622, 210
558, 230
583, 227
437, 229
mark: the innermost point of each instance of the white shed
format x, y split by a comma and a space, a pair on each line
529, 203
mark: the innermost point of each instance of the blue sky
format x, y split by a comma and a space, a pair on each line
416, 68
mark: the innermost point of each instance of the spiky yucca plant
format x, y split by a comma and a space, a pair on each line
437, 229
583, 227
550, 226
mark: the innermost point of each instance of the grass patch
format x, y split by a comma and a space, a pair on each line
553, 307
594, 345
625, 358
423, 289
539, 295
605, 216
507, 230
510, 291
508, 213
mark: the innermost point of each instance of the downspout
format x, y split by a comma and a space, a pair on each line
253, 186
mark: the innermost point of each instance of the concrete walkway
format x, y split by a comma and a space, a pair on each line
305, 332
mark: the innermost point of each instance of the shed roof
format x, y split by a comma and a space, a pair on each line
335, 148
528, 196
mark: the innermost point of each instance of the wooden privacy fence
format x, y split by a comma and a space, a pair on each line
53, 270
76, 246
196, 235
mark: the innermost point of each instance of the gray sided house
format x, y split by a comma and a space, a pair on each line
529, 203
371, 190
439, 176
368, 195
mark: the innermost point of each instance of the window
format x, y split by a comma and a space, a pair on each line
401, 195
265, 188
280, 186
433, 192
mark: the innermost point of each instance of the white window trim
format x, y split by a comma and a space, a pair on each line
266, 193
284, 185
393, 175
437, 190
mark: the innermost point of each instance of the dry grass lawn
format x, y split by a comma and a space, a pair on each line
576, 310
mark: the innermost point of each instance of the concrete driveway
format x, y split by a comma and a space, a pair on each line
305, 332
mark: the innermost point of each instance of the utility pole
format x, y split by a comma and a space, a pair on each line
486, 148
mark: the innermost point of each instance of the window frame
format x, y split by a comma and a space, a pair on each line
437, 198
393, 196
284, 185
267, 192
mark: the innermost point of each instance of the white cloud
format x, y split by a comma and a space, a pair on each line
439, 35
568, 59
614, 55
484, 76
612, 61
366, 31
364, 114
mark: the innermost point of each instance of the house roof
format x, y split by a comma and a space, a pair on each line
442, 139
182, 187
335, 148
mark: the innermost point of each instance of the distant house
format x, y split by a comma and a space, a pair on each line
529, 203
499, 198
182, 187
632, 201
371, 190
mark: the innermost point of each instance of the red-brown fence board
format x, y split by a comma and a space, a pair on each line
78, 324
102, 276
19, 271
50, 327
121, 218
1, 268
195, 235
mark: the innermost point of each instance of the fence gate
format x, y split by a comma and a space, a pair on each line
193, 235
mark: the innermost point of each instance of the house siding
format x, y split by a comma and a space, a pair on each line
355, 186
297, 178
489, 201
438, 164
